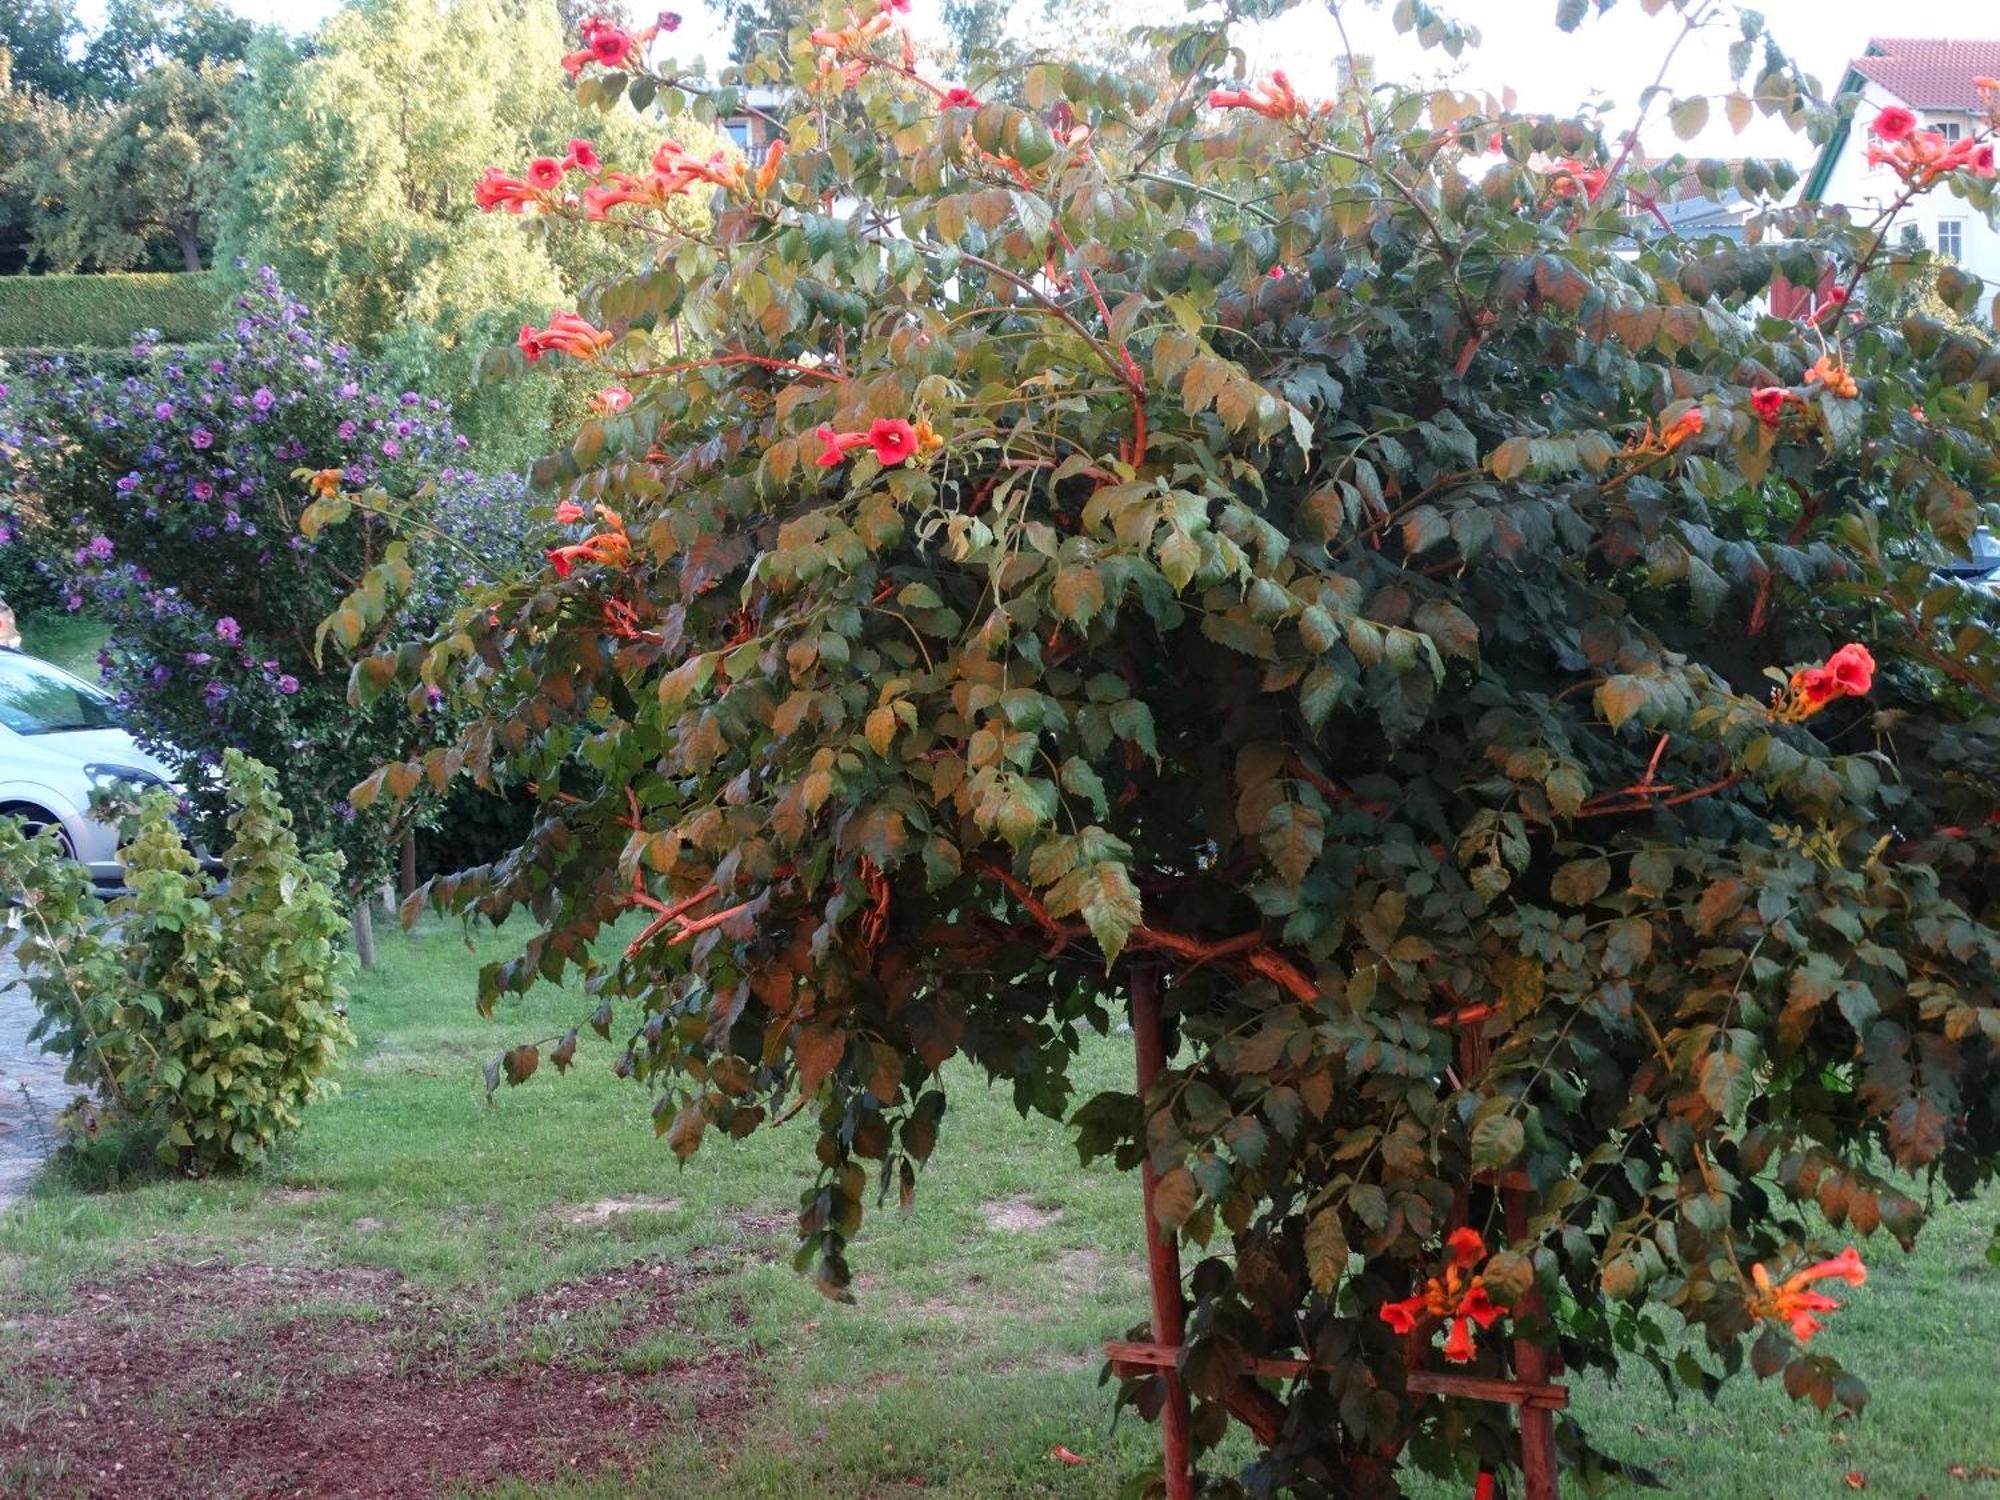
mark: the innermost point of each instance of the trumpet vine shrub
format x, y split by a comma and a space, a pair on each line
1338, 554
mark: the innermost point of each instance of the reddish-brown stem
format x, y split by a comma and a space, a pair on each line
1247, 948
669, 915
1639, 799
1163, 1259
734, 358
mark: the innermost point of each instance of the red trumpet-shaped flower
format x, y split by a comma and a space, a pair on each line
1895, 123
677, 171
610, 546
1920, 157
1572, 177
1274, 100
1848, 673
958, 98
605, 43
1687, 425
1793, 1302
582, 157
496, 189
544, 172
1458, 1298
894, 440
1769, 403
566, 334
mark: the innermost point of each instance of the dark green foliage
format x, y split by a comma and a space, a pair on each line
201, 1015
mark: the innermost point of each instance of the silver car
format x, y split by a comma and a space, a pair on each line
60, 741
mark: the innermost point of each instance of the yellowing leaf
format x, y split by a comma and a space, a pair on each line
1326, 1250
881, 729
1618, 698
1078, 593
818, 1050
1174, 1197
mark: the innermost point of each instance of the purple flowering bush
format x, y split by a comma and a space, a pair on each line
169, 497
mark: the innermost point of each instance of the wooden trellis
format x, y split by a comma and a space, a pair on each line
1532, 1390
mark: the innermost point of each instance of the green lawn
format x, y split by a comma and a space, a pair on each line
70, 641
415, 1240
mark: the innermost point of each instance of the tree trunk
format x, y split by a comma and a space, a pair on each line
364, 931
190, 243
409, 865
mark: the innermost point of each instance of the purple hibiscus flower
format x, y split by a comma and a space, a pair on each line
228, 630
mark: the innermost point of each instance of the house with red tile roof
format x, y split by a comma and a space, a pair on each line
1933, 77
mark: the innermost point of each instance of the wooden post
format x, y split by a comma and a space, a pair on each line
408, 883
1531, 1363
364, 931
1163, 1256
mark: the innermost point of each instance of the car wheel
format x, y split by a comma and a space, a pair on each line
34, 820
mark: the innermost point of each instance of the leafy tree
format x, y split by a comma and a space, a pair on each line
139, 37
356, 172
112, 184
1303, 556
20, 142
55, 59
40, 36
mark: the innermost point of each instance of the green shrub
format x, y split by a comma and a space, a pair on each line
202, 1016
103, 312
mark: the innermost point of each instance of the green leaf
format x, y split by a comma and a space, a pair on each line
1688, 116
1496, 1141
1725, 1082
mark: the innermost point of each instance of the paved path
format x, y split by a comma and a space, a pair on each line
32, 1091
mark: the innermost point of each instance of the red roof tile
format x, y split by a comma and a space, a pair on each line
1930, 72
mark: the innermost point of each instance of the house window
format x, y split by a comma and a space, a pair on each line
1951, 130
1951, 238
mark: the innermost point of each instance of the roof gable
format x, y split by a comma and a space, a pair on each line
1930, 72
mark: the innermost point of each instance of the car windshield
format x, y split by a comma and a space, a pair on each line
36, 698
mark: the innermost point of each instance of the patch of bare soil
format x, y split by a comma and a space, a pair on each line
214, 1380
1014, 1214
605, 1209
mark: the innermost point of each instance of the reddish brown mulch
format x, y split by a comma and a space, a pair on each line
136, 1391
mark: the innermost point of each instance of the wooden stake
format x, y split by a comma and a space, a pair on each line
1163, 1256
1531, 1364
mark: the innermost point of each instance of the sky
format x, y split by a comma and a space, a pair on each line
1611, 57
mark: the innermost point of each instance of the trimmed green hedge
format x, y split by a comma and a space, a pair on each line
108, 360
103, 312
